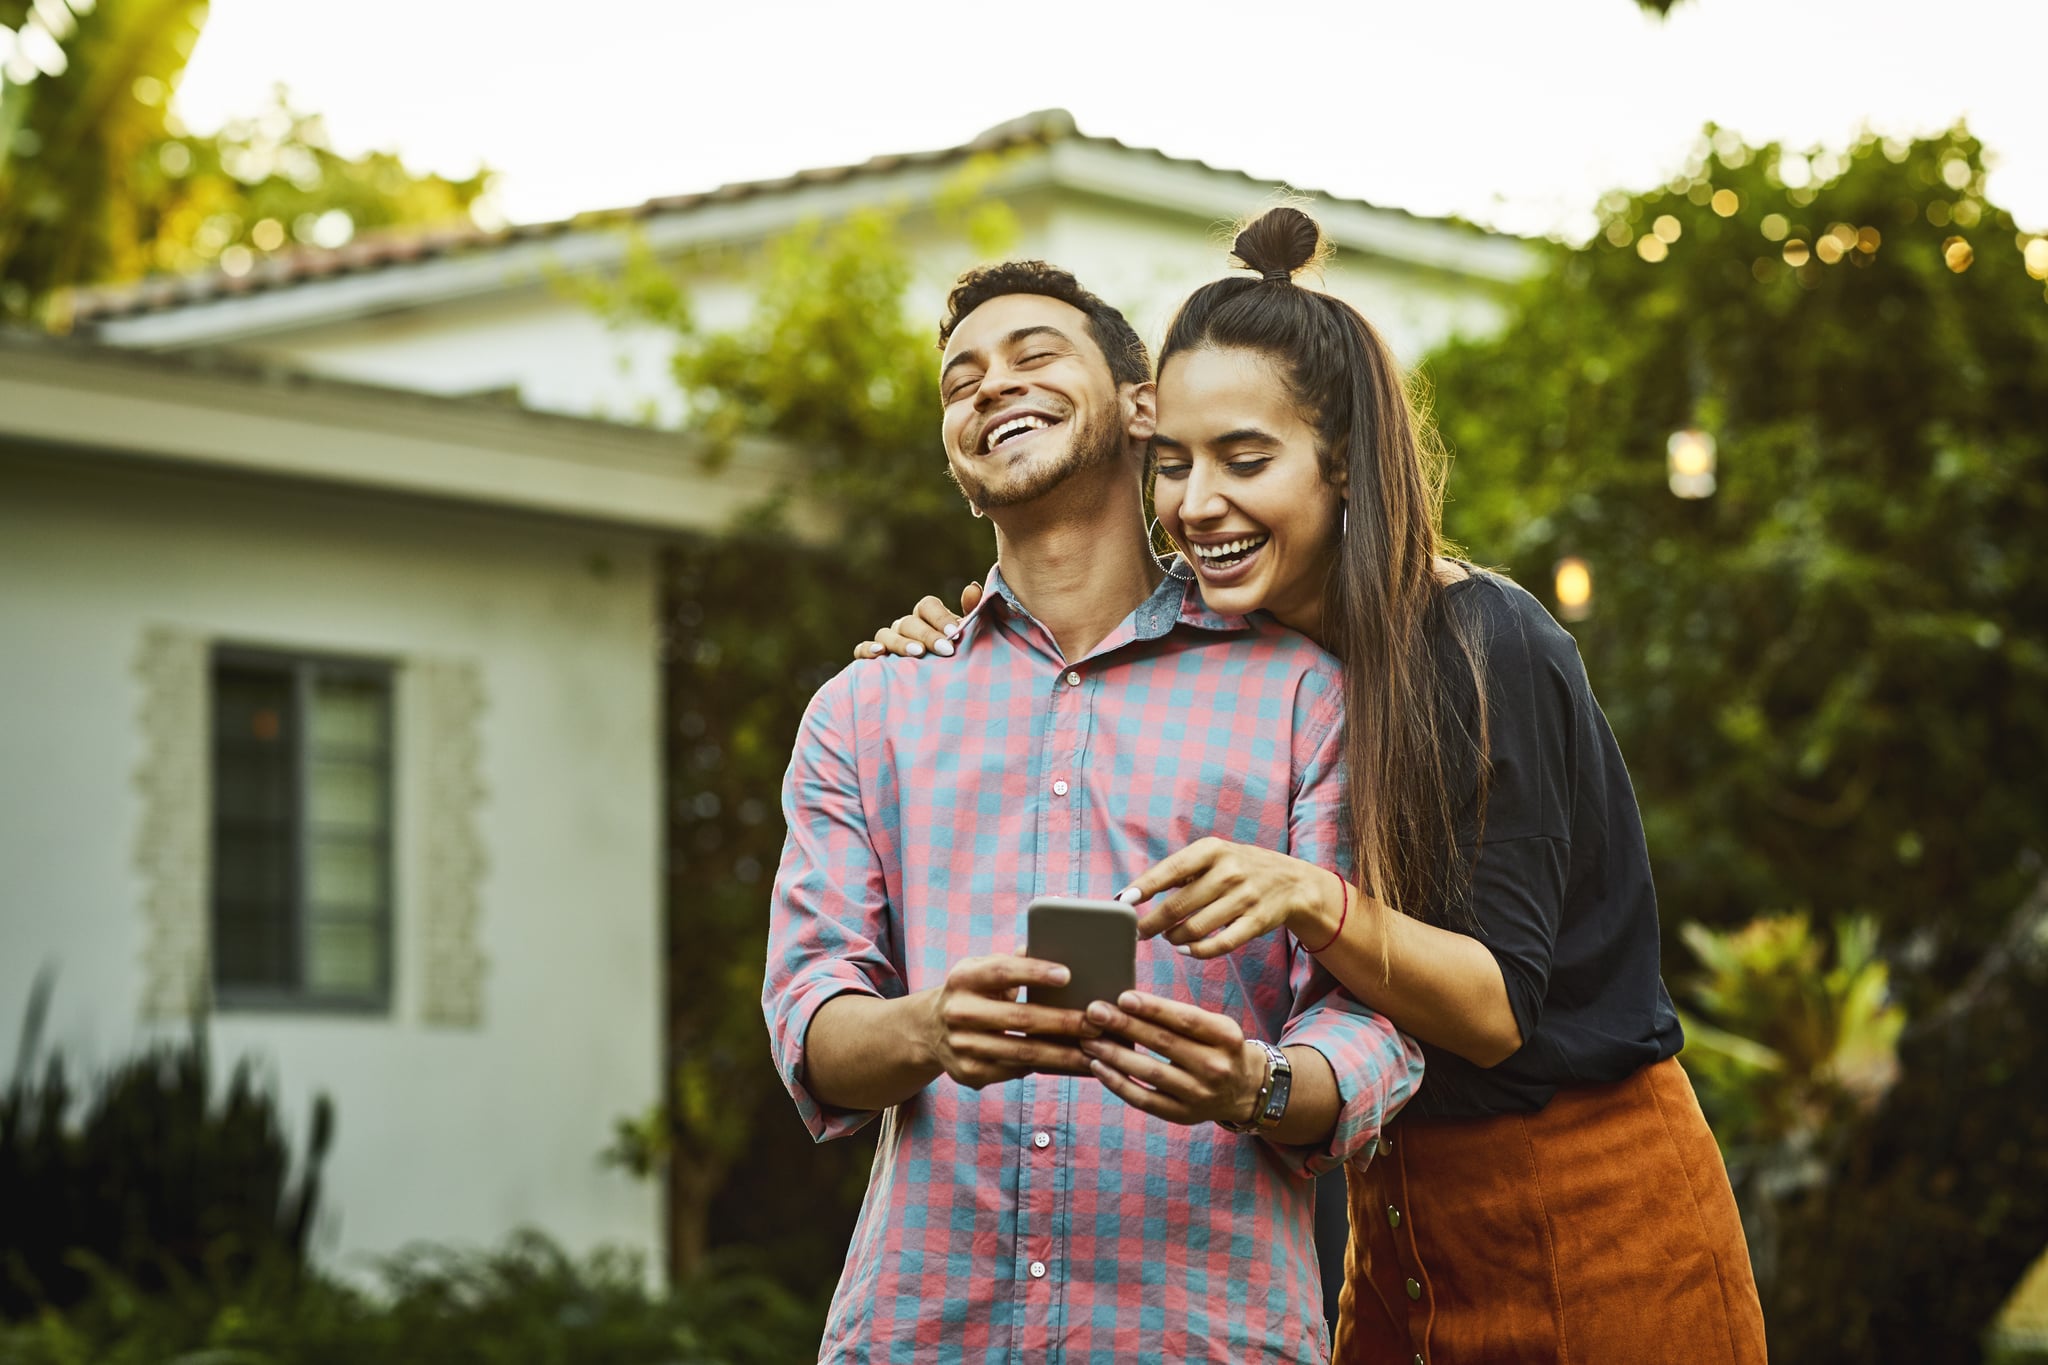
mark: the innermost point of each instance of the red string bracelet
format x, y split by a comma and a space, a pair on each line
1342, 915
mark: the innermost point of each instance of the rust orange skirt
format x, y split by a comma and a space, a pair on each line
1601, 1230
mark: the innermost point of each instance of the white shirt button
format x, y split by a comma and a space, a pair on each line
1041, 1140
1038, 1270
1059, 788
1073, 678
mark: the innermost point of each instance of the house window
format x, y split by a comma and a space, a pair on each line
301, 831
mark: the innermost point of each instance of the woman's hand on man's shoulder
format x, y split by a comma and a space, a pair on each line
930, 628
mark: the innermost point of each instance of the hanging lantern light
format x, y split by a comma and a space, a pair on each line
1689, 463
1573, 581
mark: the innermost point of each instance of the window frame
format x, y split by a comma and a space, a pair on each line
303, 668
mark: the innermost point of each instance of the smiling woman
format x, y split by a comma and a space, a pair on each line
1240, 486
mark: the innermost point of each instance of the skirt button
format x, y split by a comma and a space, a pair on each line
1414, 1288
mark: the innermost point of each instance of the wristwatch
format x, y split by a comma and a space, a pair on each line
1274, 1091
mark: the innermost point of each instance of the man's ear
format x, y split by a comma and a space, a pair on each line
1141, 410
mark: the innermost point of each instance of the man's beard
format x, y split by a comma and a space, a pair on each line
1099, 443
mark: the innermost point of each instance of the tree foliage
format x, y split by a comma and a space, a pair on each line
1828, 677
100, 182
74, 134
273, 180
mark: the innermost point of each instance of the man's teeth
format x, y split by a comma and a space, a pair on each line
1014, 427
1230, 549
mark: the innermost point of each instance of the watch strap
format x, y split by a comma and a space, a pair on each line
1264, 1112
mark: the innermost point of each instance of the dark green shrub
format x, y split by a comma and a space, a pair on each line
153, 1180
527, 1304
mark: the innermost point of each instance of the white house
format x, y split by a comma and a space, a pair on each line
339, 705
329, 679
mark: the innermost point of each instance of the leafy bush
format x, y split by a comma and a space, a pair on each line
1799, 1039
527, 1304
155, 1182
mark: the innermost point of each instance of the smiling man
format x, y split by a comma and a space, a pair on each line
1042, 1190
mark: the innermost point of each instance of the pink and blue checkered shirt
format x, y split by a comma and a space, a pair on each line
1044, 1220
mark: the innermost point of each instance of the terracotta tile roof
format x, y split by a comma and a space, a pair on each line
381, 250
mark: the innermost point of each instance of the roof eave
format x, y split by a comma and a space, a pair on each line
232, 418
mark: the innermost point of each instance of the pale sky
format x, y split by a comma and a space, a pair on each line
1516, 113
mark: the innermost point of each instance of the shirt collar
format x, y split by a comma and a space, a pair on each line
1176, 601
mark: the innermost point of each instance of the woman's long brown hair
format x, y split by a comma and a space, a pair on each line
1415, 743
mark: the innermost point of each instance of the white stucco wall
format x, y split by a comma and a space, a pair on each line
559, 355
453, 1134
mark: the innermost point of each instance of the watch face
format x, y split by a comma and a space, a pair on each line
1276, 1104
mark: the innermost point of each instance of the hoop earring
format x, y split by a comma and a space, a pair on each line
972, 508
1152, 543
1344, 519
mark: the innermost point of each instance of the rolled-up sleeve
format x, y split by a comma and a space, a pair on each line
1376, 1066
830, 930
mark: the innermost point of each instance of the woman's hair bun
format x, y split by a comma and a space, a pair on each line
1278, 242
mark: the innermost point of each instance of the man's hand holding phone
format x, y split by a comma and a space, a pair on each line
1196, 1067
980, 1033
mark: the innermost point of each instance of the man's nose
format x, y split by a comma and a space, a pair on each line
997, 384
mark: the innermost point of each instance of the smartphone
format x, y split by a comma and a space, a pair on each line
1096, 941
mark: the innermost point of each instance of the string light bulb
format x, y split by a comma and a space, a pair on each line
1573, 581
1689, 463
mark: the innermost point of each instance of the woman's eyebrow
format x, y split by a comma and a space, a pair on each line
1238, 437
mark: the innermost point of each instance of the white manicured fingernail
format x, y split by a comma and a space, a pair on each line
1130, 895
953, 630
1184, 950
913, 649
944, 647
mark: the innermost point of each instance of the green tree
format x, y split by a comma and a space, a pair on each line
1828, 675
99, 182
274, 179
81, 103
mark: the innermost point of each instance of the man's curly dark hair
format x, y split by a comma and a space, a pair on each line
1128, 361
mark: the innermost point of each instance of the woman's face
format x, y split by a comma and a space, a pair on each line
1240, 488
